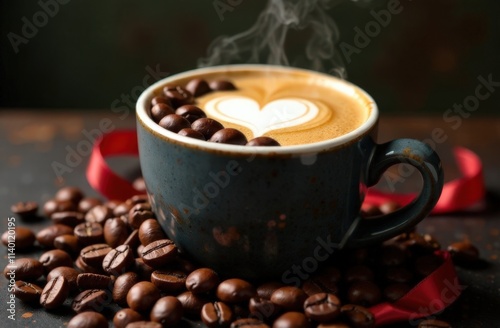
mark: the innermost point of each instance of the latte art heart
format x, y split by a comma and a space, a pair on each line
277, 114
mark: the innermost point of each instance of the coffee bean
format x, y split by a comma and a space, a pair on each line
178, 96
99, 214
188, 132
263, 308
84, 267
192, 303
72, 194
150, 231
160, 110
241, 310
222, 85
160, 100
169, 281
88, 319
68, 273
267, 289
418, 245
90, 300
125, 316
464, 253
93, 281
392, 255
174, 123
69, 218
432, 241
139, 199
55, 258
143, 270
248, 323
52, 206
138, 214
216, 314
113, 203
142, 296
289, 298
263, 142
202, 280
364, 293
235, 291
322, 307
398, 275
144, 324
87, 203
115, 232
291, 320
45, 237
394, 292
93, 255
190, 112
325, 282
89, 233
54, 293
311, 287
24, 210
27, 292
133, 239
122, 209
122, 285
433, 323
167, 311
358, 273
24, 269
159, 253
23, 238
198, 87
67, 243
358, 316
118, 260
426, 264
207, 127
229, 136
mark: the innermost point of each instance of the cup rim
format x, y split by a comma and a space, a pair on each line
144, 100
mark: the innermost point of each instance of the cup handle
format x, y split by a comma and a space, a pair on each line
423, 158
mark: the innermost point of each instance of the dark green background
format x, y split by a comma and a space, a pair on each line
91, 52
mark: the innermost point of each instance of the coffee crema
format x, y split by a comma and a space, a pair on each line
293, 107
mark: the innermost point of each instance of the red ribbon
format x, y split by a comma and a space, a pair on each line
100, 176
457, 194
430, 296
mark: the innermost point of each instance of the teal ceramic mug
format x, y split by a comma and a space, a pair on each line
259, 211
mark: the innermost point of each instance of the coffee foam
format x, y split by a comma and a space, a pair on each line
292, 107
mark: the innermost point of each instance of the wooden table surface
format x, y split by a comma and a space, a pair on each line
32, 141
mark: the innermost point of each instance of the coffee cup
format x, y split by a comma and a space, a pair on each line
255, 211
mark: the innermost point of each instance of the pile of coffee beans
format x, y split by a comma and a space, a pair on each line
175, 110
98, 253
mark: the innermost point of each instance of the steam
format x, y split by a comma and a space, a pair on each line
266, 41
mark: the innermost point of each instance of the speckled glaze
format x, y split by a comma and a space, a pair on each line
258, 211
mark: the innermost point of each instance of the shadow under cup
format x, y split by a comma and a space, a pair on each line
263, 211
